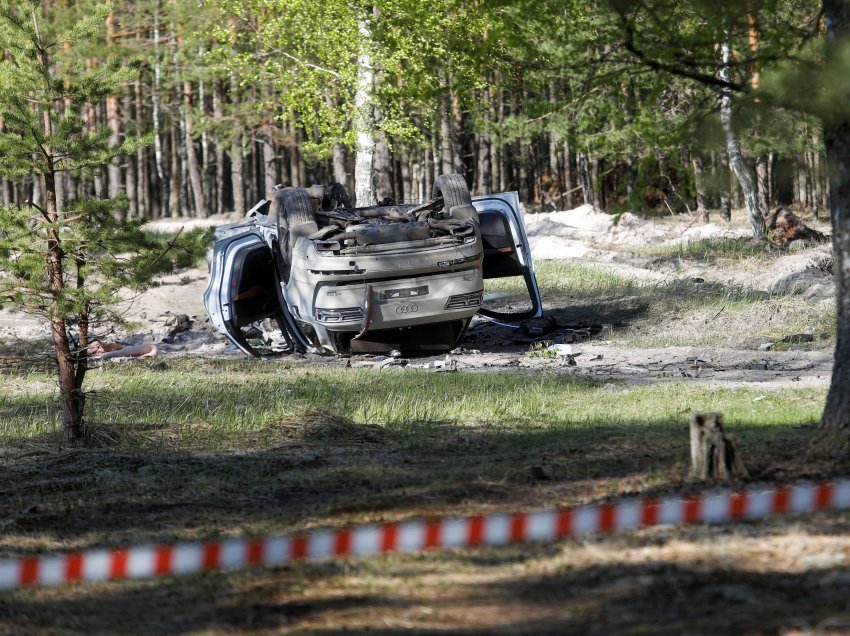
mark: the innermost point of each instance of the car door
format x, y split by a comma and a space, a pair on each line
242, 288
506, 249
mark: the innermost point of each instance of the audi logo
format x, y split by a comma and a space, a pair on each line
407, 309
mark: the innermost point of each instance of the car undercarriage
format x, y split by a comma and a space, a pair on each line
318, 274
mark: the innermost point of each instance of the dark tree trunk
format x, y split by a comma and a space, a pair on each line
236, 175
833, 436
113, 119
567, 199
382, 170
445, 138
339, 165
192, 164
174, 198
218, 117
699, 185
269, 169
724, 181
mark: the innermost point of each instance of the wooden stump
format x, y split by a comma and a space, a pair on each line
713, 455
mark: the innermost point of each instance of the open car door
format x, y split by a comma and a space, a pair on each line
506, 249
243, 289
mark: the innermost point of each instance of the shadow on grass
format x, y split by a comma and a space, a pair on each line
94, 497
455, 592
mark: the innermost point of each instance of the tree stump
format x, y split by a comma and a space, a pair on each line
713, 455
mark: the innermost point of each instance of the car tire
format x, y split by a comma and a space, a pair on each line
455, 193
295, 218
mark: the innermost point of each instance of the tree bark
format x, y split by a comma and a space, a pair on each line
142, 208
725, 188
699, 185
363, 194
218, 117
382, 171
269, 171
237, 176
713, 454
192, 164
743, 170
113, 120
445, 137
833, 435
340, 175
162, 179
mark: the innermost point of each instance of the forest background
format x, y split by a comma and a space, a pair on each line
564, 101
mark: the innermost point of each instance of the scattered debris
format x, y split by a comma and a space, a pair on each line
783, 227
766, 346
383, 362
178, 323
109, 350
539, 326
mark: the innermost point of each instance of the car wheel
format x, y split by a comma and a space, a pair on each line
295, 218
455, 193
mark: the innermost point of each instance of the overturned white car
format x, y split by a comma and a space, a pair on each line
325, 276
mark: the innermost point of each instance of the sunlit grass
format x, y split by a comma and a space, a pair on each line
211, 406
713, 249
673, 312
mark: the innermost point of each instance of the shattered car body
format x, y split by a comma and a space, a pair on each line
327, 277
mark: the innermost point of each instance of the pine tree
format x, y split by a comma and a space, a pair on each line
64, 261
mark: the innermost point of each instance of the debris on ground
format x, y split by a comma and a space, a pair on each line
783, 227
111, 350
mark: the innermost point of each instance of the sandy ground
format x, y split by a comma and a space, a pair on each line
585, 235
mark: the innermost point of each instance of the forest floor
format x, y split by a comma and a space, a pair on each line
664, 317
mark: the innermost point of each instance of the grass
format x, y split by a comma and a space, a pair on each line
213, 405
713, 250
231, 447
672, 312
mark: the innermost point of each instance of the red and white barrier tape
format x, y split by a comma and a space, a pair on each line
149, 561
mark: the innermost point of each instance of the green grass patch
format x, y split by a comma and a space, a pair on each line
673, 312
711, 250
230, 404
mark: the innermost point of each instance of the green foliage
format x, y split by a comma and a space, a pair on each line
302, 59
68, 262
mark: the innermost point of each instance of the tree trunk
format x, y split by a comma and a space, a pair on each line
218, 117
445, 137
713, 455
699, 185
192, 164
142, 208
833, 436
162, 180
340, 175
458, 164
740, 166
382, 171
584, 178
131, 171
176, 203
363, 194
269, 171
237, 176
113, 120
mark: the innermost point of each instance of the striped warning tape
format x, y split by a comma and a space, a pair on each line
149, 561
